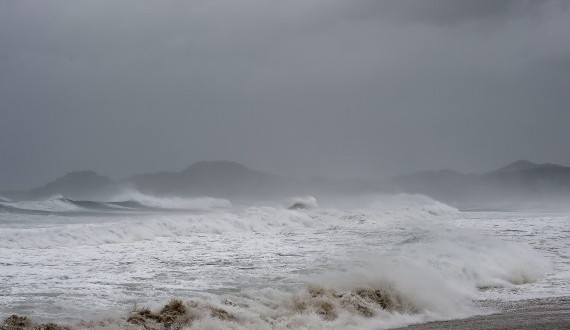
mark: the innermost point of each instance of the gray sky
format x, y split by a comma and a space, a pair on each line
311, 87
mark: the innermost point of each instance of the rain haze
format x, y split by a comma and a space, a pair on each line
359, 89
277, 165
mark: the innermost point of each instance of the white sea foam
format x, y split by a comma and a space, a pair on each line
53, 204
120, 202
121, 228
146, 227
302, 202
267, 262
198, 203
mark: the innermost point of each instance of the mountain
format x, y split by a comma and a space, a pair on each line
215, 178
521, 182
525, 165
519, 165
221, 179
524, 177
79, 185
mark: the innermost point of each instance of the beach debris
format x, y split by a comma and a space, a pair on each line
15, 322
366, 302
222, 314
173, 315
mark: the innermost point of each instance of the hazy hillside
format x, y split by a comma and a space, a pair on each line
521, 183
79, 185
216, 178
518, 184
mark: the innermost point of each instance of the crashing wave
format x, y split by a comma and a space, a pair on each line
54, 204
303, 203
175, 203
132, 201
377, 267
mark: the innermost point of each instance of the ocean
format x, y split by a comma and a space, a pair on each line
371, 262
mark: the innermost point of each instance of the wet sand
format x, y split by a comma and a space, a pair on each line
537, 314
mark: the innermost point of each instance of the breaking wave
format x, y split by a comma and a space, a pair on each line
60, 204
384, 295
384, 262
54, 204
365, 306
139, 227
302, 203
412, 234
175, 203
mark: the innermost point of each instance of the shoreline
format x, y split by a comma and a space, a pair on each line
541, 313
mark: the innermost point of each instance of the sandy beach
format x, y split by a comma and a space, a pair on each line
548, 313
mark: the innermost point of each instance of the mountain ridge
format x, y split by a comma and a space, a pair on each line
523, 165
516, 181
221, 178
84, 184
519, 182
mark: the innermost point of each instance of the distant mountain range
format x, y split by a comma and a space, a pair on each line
521, 182
216, 178
518, 182
78, 185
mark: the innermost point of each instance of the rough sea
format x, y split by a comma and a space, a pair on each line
357, 263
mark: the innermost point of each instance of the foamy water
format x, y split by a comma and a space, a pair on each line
274, 268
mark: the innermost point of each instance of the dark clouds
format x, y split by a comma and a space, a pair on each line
358, 89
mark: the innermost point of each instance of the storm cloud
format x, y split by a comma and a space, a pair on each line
364, 89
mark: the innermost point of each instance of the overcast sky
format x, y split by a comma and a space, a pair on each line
357, 89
